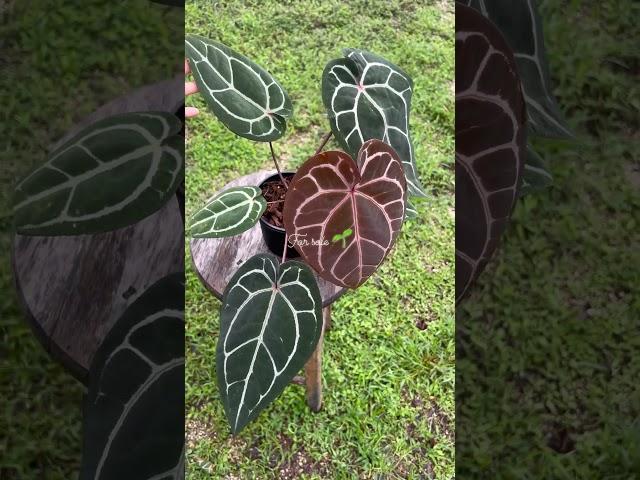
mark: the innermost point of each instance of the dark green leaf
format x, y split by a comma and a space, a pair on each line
244, 96
410, 212
229, 213
368, 97
535, 175
271, 321
113, 173
134, 410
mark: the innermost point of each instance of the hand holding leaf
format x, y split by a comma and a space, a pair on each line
189, 89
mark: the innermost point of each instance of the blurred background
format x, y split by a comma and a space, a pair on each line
59, 62
547, 364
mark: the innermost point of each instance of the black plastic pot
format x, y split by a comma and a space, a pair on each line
274, 236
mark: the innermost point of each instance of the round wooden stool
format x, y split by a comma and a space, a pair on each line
74, 288
215, 260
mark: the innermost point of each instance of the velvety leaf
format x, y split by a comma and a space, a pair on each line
331, 193
535, 175
244, 96
520, 23
133, 425
410, 212
271, 321
490, 142
229, 213
368, 97
113, 173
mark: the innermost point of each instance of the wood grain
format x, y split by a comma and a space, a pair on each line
73, 289
313, 369
216, 259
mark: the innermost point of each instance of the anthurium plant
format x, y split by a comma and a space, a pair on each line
348, 205
503, 99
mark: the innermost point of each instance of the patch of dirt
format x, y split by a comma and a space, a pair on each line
438, 420
439, 423
253, 452
196, 432
632, 172
428, 471
302, 464
275, 191
236, 448
405, 466
560, 439
421, 324
299, 463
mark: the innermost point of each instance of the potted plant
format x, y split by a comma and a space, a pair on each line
341, 211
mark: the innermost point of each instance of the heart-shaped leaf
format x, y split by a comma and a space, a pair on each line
368, 97
535, 175
244, 96
490, 142
271, 321
520, 23
113, 173
134, 409
329, 194
229, 213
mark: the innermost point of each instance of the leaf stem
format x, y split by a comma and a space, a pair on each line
273, 155
325, 139
284, 249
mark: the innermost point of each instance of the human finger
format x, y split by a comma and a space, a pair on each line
189, 88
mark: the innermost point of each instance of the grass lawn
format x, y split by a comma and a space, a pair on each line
389, 359
547, 378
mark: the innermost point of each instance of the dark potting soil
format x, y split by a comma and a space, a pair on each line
274, 191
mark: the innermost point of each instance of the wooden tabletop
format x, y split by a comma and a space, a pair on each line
74, 288
216, 259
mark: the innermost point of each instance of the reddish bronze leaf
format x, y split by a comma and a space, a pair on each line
342, 216
490, 142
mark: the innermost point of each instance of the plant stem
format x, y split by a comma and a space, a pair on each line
325, 139
284, 249
273, 155
275, 201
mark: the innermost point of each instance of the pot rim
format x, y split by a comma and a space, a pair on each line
262, 219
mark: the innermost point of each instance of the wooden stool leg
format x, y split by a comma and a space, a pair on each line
327, 319
313, 369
